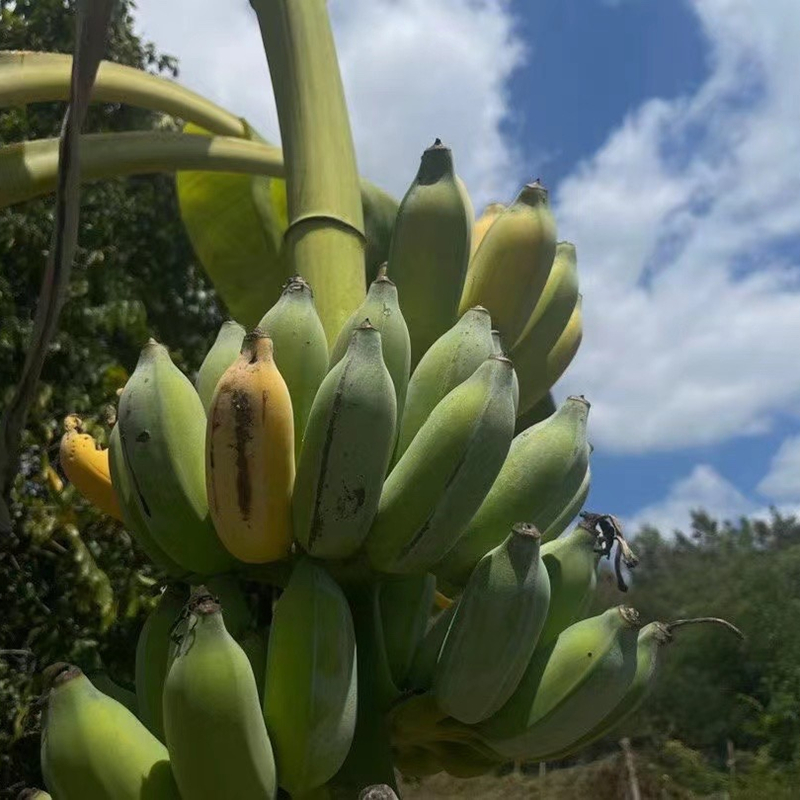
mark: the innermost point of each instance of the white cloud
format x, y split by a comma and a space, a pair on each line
703, 489
687, 223
413, 70
782, 482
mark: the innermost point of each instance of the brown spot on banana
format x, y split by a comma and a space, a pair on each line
243, 431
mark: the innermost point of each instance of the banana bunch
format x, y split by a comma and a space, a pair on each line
369, 550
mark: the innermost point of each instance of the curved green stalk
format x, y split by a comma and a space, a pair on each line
325, 239
32, 77
29, 169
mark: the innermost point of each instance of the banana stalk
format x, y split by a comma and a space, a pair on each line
325, 240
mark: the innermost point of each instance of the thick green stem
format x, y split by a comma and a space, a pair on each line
30, 169
325, 239
370, 758
30, 77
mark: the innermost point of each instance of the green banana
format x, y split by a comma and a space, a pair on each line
539, 371
423, 664
300, 349
571, 562
430, 249
216, 735
254, 643
569, 686
348, 444
452, 359
222, 354
509, 270
135, 523
310, 694
571, 509
230, 595
498, 349
101, 680
554, 308
545, 466
441, 479
648, 651
162, 427
494, 630
153, 656
382, 309
93, 748
405, 605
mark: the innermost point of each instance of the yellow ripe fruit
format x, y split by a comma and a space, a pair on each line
85, 464
250, 456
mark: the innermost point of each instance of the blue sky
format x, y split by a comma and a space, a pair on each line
669, 136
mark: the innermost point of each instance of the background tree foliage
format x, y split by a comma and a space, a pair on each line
72, 585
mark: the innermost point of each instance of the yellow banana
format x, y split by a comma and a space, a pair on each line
310, 694
441, 479
162, 428
215, 731
545, 466
85, 463
510, 268
494, 630
482, 225
300, 349
348, 444
568, 687
430, 249
539, 373
222, 354
93, 748
250, 455
382, 309
451, 359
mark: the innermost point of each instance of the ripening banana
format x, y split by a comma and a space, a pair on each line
101, 680
449, 467
382, 309
571, 509
498, 349
229, 593
538, 375
135, 523
300, 349
482, 225
33, 794
430, 249
415, 761
348, 444
571, 562
544, 468
651, 639
162, 428
509, 270
451, 359
222, 354
310, 693
93, 748
551, 314
494, 630
568, 688
423, 664
464, 759
216, 735
405, 605
85, 463
153, 656
250, 456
